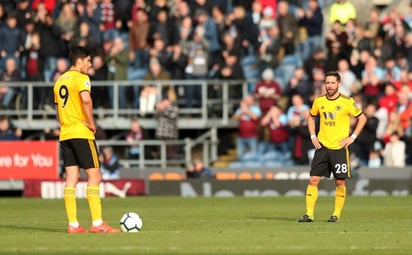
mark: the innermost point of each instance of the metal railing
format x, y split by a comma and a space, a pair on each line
222, 95
208, 141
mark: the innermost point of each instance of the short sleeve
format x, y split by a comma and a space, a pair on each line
84, 84
354, 108
314, 111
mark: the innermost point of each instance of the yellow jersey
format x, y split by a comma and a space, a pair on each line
70, 106
335, 117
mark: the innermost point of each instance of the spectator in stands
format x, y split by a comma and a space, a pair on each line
394, 152
288, 27
178, 63
138, 39
66, 24
197, 67
298, 84
149, 94
10, 41
358, 60
162, 27
269, 48
166, 129
365, 40
267, 91
190, 171
109, 25
318, 84
373, 23
366, 139
197, 169
109, 164
247, 32
389, 100
99, 72
201, 4
248, 115
62, 65
277, 122
33, 62
318, 60
372, 77
391, 72
160, 51
24, 13
404, 105
156, 7
7, 132
353, 31
393, 125
231, 69
117, 61
220, 19
312, 20
299, 138
91, 11
348, 82
335, 38
48, 36
230, 46
134, 135
205, 21
83, 37
342, 11
10, 74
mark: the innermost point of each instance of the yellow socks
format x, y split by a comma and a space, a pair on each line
311, 197
340, 197
69, 196
95, 206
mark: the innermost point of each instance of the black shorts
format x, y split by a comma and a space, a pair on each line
327, 161
80, 152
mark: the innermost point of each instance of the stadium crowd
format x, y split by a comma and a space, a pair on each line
280, 45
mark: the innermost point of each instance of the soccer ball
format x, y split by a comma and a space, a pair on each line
131, 222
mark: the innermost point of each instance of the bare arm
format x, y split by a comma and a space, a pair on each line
358, 128
312, 130
88, 109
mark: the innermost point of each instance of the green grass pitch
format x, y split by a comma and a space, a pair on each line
238, 225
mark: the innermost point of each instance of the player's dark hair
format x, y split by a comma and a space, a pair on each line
78, 52
334, 74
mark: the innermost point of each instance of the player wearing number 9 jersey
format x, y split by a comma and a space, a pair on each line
331, 156
74, 108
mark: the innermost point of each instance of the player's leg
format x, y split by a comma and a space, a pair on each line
72, 177
69, 193
95, 206
341, 171
340, 197
319, 168
312, 195
88, 157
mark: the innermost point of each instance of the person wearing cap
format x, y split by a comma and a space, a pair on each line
267, 91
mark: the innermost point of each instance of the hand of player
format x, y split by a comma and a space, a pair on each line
316, 143
346, 142
92, 127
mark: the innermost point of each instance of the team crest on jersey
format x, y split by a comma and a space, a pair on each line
338, 108
87, 83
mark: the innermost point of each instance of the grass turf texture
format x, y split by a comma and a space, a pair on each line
239, 225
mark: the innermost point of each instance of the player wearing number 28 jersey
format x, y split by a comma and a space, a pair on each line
74, 108
331, 143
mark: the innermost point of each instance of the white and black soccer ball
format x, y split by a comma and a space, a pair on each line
131, 222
